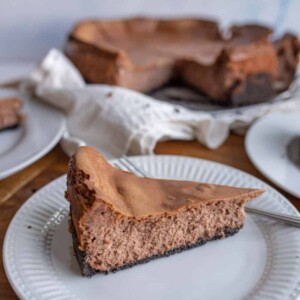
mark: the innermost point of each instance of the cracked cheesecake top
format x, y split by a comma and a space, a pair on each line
136, 196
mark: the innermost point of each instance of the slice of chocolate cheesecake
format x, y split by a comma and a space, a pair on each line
10, 115
118, 220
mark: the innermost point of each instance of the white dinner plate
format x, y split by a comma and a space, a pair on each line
266, 145
36, 136
262, 261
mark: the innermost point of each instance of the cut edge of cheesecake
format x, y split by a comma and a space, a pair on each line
88, 271
118, 220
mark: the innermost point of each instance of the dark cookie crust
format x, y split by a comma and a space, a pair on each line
254, 89
9, 128
88, 271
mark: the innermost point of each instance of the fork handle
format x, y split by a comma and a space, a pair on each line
291, 220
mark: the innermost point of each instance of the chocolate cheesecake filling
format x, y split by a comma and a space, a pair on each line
144, 54
10, 115
119, 219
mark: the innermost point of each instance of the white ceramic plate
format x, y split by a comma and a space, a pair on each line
266, 145
262, 261
24, 145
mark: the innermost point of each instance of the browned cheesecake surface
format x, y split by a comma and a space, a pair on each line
137, 197
144, 54
119, 219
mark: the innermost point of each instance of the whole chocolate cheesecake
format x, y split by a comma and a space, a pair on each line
118, 220
144, 54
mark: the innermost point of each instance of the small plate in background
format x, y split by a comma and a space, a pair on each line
268, 144
36, 136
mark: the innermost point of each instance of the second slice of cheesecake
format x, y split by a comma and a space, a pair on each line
10, 112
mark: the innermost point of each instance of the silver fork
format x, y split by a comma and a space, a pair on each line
125, 164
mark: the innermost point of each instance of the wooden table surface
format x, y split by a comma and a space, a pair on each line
15, 190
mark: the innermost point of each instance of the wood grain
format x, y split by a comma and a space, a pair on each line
18, 188
15, 182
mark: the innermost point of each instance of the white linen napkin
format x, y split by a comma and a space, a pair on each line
119, 121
